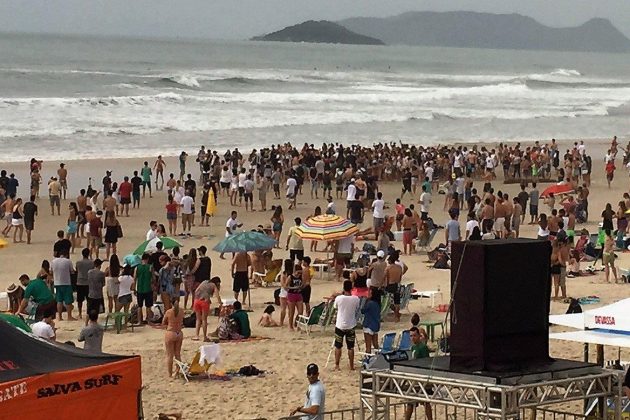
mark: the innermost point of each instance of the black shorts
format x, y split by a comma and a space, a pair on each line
95, 305
125, 200
241, 191
146, 299
29, 224
82, 292
276, 188
241, 282
394, 290
249, 197
296, 253
306, 294
350, 338
225, 185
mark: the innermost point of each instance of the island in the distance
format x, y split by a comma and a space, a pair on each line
459, 29
322, 31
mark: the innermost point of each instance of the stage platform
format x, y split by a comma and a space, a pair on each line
531, 373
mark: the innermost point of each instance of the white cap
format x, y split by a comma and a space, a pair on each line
380, 254
352, 180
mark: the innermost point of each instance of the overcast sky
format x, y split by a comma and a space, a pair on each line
241, 19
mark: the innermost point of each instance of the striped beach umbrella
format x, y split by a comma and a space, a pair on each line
326, 227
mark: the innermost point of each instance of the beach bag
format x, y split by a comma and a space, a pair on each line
442, 261
369, 248
250, 370
158, 313
190, 321
276, 297
444, 345
574, 307
227, 329
133, 315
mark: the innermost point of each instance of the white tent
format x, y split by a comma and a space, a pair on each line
608, 325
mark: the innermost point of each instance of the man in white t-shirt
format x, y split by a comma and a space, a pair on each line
347, 307
425, 203
351, 193
292, 191
378, 207
46, 327
315, 396
471, 224
187, 213
230, 227
152, 232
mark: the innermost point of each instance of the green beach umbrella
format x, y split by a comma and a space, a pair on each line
16, 321
245, 241
150, 246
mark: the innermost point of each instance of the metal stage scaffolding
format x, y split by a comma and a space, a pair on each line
479, 400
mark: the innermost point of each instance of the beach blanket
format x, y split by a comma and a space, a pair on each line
242, 340
587, 300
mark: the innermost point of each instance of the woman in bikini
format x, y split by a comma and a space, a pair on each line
556, 267
277, 221
173, 338
73, 224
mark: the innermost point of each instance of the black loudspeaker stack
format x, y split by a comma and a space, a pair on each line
500, 309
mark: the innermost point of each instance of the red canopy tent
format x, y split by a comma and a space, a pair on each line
42, 380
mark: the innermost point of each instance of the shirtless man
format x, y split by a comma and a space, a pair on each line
82, 207
552, 223
109, 204
159, 166
565, 257
241, 264
500, 212
171, 183
7, 209
509, 211
62, 173
487, 216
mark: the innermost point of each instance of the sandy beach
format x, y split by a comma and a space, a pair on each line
284, 355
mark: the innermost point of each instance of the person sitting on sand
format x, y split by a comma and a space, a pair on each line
242, 320
266, 320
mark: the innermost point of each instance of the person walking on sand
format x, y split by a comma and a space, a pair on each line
30, 211
62, 271
17, 221
146, 173
315, 396
62, 173
241, 266
201, 304
347, 307
230, 227
159, 166
608, 256
174, 336
54, 191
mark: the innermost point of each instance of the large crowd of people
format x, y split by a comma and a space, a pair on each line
460, 181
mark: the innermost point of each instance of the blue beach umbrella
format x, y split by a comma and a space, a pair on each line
245, 242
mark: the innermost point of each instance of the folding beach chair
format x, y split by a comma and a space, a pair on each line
387, 344
386, 301
425, 245
271, 275
307, 322
405, 341
405, 296
119, 320
207, 356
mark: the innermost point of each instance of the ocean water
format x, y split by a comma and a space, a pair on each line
72, 97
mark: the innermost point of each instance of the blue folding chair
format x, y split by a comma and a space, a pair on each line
387, 346
405, 341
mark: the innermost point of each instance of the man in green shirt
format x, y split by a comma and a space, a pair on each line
419, 350
241, 318
146, 173
38, 291
143, 276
